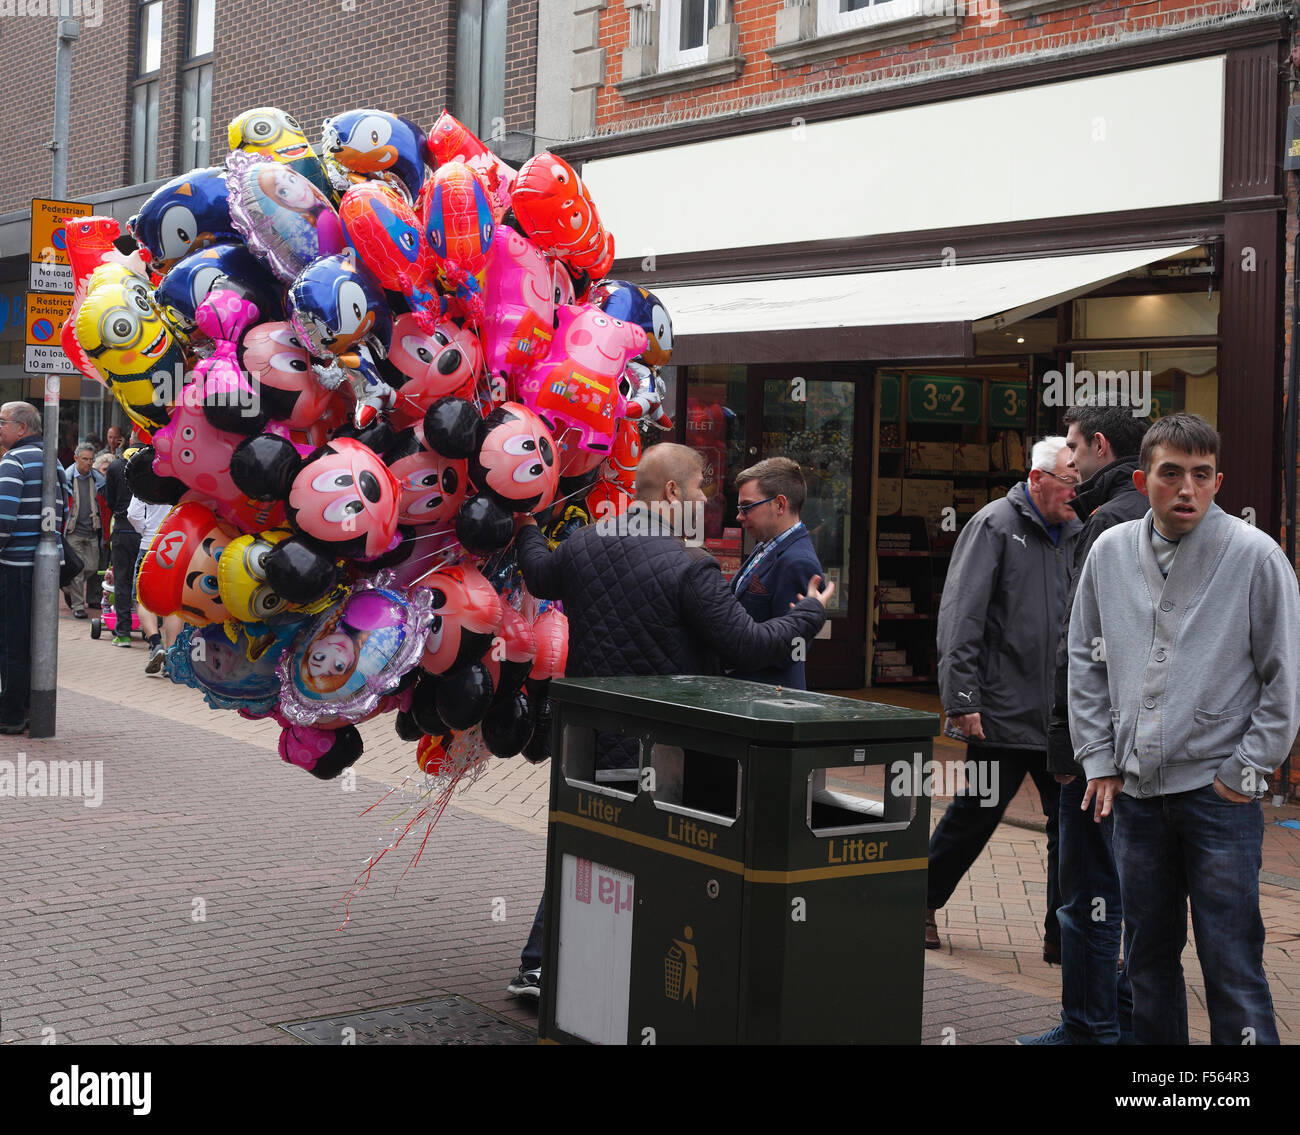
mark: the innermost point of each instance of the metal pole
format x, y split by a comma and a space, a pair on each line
1292, 406
45, 572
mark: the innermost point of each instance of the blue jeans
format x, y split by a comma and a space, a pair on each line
1194, 845
1095, 1007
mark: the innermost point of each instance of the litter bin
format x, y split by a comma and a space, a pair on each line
754, 872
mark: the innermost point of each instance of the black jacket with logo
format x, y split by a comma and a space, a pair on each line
1000, 618
1105, 499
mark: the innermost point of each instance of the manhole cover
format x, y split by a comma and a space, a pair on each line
446, 1020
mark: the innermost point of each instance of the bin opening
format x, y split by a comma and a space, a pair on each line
859, 798
602, 762
694, 782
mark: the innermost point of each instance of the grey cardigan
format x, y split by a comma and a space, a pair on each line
1174, 681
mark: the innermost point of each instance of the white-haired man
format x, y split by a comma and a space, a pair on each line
999, 623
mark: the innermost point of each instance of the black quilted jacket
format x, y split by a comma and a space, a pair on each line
650, 605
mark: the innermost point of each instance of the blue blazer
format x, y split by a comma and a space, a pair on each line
778, 582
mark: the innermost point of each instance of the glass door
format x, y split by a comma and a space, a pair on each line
816, 418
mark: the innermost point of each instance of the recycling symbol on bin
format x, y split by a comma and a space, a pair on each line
681, 969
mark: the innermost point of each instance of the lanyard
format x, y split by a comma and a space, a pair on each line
759, 554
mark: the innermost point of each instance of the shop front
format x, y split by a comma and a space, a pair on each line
905, 330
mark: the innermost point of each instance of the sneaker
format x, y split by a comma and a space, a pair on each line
80, 613
526, 983
1057, 1035
121, 640
157, 656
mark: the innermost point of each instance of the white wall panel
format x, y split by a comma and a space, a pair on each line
1134, 140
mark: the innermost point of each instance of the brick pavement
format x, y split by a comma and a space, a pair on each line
98, 932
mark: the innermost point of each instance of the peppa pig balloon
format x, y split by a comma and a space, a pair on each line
522, 290
580, 384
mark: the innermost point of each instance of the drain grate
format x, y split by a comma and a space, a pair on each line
446, 1020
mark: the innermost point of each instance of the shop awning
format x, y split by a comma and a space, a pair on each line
915, 312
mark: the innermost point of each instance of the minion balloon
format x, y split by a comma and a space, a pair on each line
274, 134
125, 337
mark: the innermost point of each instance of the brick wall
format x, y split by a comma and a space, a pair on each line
521, 66
310, 59
985, 35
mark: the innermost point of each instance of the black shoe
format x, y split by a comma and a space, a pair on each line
80, 614
13, 729
526, 983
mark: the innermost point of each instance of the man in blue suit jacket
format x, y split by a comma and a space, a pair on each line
778, 572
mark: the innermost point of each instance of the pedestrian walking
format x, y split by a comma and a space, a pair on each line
999, 621
1096, 1002
1184, 649
123, 547
83, 527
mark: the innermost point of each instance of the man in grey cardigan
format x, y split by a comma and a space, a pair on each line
1185, 696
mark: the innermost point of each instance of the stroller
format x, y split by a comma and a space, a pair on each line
108, 614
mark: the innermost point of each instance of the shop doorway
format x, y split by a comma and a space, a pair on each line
819, 416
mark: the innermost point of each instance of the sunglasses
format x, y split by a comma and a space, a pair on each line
743, 509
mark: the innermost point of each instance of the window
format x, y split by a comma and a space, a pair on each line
684, 32
840, 15
481, 67
196, 96
144, 96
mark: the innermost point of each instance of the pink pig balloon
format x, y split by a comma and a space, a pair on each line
580, 383
521, 290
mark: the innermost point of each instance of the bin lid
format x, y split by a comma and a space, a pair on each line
747, 709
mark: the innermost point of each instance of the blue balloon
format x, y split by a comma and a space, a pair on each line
188, 213
337, 305
227, 265
376, 143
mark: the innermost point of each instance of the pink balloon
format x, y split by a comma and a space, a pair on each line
580, 383
521, 290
